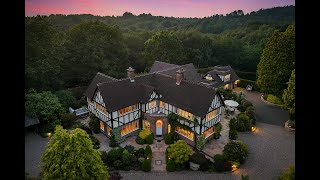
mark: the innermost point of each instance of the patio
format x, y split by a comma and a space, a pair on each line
216, 146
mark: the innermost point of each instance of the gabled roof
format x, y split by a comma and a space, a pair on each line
190, 73
99, 78
160, 66
221, 70
189, 96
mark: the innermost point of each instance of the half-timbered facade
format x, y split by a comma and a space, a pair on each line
134, 103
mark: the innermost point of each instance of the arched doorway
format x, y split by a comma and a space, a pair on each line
159, 127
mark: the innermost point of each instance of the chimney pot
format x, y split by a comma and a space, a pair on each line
179, 76
130, 73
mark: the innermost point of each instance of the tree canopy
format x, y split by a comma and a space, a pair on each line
289, 95
277, 62
72, 156
179, 152
44, 105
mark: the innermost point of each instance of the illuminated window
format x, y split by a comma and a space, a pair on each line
152, 104
161, 104
227, 77
146, 124
128, 128
102, 126
169, 128
128, 109
211, 115
209, 77
186, 133
185, 114
109, 130
101, 108
208, 132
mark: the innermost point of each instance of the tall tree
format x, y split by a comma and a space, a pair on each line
277, 62
72, 156
164, 46
92, 47
43, 54
44, 105
289, 96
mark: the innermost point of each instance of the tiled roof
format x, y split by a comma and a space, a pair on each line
160, 66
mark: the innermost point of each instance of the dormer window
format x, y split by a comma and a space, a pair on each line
227, 78
209, 77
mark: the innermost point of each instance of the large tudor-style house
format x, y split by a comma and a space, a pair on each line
139, 102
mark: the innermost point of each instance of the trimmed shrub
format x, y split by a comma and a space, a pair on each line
179, 152
219, 163
149, 139
94, 125
140, 152
148, 152
141, 159
171, 166
113, 155
244, 122
113, 142
126, 157
117, 164
168, 139
235, 151
139, 140
233, 134
246, 103
289, 174
143, 134
217, 130
274, 99
201, 141
249, 108
250, 113
146, 165
129, 148
95, 142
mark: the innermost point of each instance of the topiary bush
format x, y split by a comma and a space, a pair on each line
113, 142
179, 152
141, 159
143, 134
274, 99
168, 139
140, 152
126, 157
250, 114
233, 134
246, 103
129, 148
171, 166
148, 152
235, 151
139, 140
217, 130
149, 139
146, 165
94, 125
201, 141
243, 122
219, 162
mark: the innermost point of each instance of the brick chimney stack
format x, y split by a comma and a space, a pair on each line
130, 73
179, 76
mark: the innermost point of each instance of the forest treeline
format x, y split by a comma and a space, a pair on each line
63, 51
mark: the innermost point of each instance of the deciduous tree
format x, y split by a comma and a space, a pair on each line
179, 152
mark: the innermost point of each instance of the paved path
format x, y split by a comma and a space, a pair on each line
34, 147
266, 113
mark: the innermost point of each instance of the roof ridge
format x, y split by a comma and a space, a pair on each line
107, 76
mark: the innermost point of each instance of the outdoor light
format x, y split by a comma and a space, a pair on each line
234, 167
49, 134
253, 128
147, 157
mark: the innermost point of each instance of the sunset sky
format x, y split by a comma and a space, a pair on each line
175, 8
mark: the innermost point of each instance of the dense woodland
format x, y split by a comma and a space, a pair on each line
66, 51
